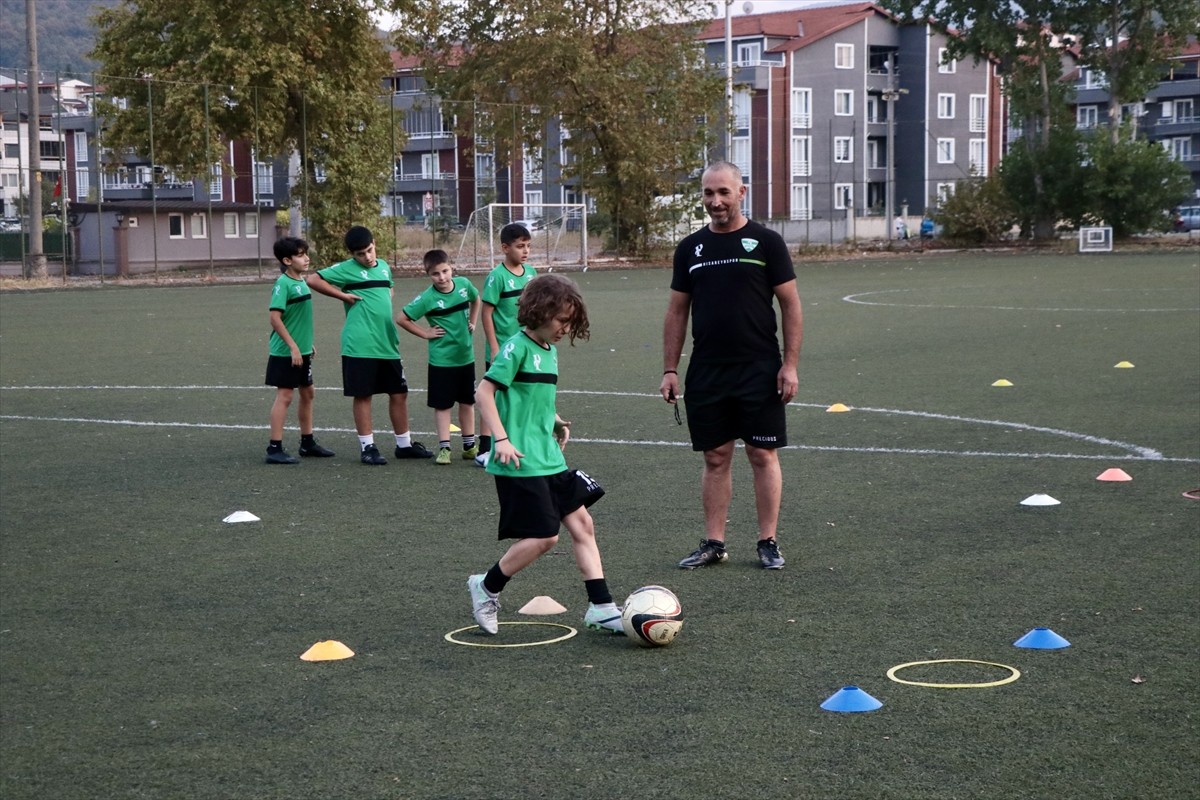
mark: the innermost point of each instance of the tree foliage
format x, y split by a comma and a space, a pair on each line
1129, 183
978, 212
1057, 165
279, 74
619, 76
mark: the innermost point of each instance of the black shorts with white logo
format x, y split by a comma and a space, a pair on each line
533, 508
735, 401
363, 377
282, 374
450, 385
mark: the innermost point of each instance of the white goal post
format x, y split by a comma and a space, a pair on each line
1095, 240
558, 232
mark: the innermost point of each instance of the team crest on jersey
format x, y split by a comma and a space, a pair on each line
699, 248
749, 244
508, 350
537, 362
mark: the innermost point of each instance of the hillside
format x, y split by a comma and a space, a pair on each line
65, 34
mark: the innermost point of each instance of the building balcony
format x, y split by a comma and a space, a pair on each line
145, 191
420, 181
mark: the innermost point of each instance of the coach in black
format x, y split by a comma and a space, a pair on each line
726, 277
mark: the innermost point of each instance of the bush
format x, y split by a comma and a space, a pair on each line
978, 212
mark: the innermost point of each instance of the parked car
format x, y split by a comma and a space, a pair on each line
1187, 218
531, 225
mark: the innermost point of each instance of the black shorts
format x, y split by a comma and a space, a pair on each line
282, 375
735, 401
450, 385
363, 377
533, 508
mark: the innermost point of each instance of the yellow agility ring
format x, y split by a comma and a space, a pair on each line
569, 633
1016, 673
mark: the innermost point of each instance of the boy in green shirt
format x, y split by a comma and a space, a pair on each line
537, 493
371, 362
289, 364
501, 294
451, 307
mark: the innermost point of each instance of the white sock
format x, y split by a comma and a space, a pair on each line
365, 441
404, 439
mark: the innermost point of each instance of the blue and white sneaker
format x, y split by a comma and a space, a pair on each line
484, 606
481, 460
603, 618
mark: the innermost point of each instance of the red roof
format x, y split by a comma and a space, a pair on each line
816, 23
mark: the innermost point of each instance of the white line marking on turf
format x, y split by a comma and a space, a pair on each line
855, 298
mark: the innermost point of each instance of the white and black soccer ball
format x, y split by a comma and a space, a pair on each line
652, 616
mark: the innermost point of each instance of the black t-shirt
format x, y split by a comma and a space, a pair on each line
731, 279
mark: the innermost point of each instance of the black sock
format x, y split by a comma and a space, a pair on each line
468, 441
275, 446
495, 580
717, 544
485, 443
597, 591
307, 439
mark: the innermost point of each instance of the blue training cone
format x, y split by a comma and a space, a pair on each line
1042, 639
851, 698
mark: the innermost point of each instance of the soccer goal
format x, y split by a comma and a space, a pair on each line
1095, 240
558, 232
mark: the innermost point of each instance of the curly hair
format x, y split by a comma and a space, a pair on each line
547, 296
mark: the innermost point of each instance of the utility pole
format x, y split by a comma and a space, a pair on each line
36, 266
728, 80
890, 96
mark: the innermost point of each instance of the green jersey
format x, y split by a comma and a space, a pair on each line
370, 331
292, 297
502, 291
450, 311
526, 377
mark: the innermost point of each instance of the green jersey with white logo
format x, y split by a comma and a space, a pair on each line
292, 297
502, 291
526, 377
370, 331
450, 311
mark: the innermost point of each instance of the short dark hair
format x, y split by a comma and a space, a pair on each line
358, 238
287, 247
435, 258
548, 295
512, 232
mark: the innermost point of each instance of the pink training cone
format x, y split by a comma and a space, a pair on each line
1114, 474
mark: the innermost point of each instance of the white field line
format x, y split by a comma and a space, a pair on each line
1133, 452
857, 299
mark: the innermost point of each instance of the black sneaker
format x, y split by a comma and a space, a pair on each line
769, 555
415, 450
710, 551
370, 455
314, 450
280, 457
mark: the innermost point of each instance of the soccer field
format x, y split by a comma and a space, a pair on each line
148, 649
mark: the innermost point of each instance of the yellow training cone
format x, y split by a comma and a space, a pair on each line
1114, 474
327, 651
837, 408
454, 428
1123, 365
542, 605
1002, 382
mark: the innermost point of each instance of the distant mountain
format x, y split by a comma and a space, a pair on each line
65, 35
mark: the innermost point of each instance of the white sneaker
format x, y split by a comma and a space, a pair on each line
485, 606
604, 618
481, 460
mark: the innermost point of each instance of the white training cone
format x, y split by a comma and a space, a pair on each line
240, 516
1039, 500
542, 605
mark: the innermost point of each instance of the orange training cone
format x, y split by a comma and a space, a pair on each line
837, 408
327, 651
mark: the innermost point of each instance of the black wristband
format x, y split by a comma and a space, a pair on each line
669, 372
498, 441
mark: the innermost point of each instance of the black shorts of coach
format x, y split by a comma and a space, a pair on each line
533, 508
450, 385
363, 377
282, 374
735, 401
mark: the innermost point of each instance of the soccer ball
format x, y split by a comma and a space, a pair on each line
652, 616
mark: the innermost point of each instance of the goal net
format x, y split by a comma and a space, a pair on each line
1095, 240
558, 233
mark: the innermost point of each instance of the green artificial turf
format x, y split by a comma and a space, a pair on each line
149, 650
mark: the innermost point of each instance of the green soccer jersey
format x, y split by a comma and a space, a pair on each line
369, 331
502, 290
450, 311
292, 297
526, 378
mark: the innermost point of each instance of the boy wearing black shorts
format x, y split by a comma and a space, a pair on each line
451, 307
289, 365
537, 493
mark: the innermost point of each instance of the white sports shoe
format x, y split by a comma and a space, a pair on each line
604, 618
481, 460
485, 606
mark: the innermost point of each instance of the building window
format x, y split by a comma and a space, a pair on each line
843, 196
876, 154
533, 203
801, 201
945, 106
12, 150
944, 192
946, 65
231, 225
51, 150
741, 154
749, 54
199, 226
175, 226
843, 149
429, 166
843, 102
10, 180
83, 184
251, 225
741, 110
843, 56
977, 157
1087, 116
1181, 148
945, 151
801, 156
978, 113
532, 164
214, 183
874, 109
1184, 111
801, 108
81, 147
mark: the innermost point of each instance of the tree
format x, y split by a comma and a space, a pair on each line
280, 74
1056, 164
619, 77
1130, 183
978, 212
